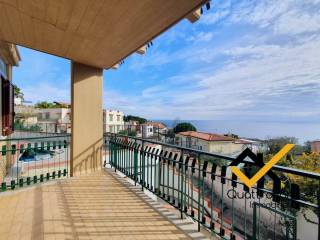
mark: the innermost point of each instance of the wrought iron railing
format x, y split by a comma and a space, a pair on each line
202, 187
26, 161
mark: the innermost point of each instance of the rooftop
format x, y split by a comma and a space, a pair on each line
206, 136
157, 125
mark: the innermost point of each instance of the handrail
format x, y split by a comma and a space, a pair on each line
33, 138
298, 172
212, 197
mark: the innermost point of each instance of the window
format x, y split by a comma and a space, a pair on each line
47, 114
110, 117
118, 128
118, 118
110, 129
7, 100
200, 147
3, 68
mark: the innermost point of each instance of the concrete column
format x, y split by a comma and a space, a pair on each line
86, 119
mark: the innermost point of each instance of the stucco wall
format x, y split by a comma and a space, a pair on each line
87, 118
219, 147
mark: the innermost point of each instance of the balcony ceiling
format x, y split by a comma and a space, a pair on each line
94, 32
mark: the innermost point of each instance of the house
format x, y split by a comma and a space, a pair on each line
315, 146
54, 120
146, 130
255, 145
18, 100
9, 57
113, 121
25, 115
210, 142
158, 127
132, 126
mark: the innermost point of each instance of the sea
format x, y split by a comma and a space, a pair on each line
254, 129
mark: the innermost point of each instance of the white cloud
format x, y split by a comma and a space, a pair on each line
295, 22
259, 73
46, 92
282, 17
201, 37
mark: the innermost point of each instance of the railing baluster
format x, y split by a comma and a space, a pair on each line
234, 221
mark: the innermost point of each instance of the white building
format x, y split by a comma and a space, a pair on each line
18, 100
158, 127
146, 130
54, 120
113, 121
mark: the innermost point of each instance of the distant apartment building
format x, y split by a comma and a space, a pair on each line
54, 120
209, 142
315, 146
113, 121
9, 57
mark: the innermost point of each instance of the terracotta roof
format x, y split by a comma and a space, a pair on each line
206, 136
157, 125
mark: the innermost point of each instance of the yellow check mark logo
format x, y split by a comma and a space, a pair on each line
264, 169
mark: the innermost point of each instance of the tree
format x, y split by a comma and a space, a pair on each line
183, 127
308, 186
129, 118
45, 104
17, 92
131, 133
276, 144
19, 125
307, 147
301, 158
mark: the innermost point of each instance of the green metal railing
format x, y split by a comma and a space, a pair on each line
26, 161
201, 186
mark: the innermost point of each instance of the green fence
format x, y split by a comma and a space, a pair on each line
26, 161
201, 186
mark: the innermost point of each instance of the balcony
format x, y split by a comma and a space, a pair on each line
87, 185
139, 179
39, 200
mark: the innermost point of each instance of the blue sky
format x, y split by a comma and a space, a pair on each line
253, 66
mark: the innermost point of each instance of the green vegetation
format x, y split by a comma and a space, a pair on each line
17, 92
301, 158
129, 118
19, 125
232, 135
131, 133
183, 127
45, 104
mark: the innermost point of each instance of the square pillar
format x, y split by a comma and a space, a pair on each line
86, 118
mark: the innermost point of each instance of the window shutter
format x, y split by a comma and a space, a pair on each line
7, 107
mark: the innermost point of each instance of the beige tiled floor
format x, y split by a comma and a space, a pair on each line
89, 207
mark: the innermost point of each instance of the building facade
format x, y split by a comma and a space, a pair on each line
54, 120
113, 121
158, 127
9, 57
213, 143
315, 146
146, 130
